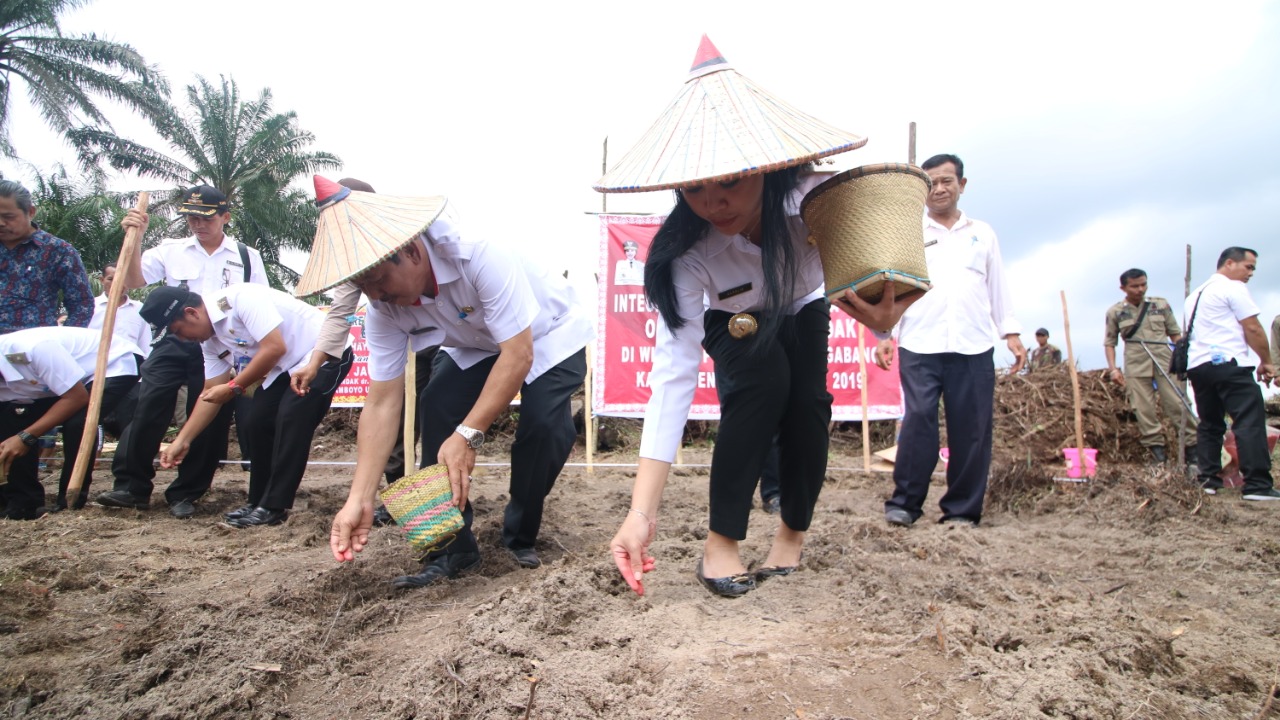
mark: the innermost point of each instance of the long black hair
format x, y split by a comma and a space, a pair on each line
683, 229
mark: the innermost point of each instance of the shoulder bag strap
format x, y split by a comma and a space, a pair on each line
1138, 325
244, 260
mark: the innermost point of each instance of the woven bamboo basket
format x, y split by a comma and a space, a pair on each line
867, 225
422, 505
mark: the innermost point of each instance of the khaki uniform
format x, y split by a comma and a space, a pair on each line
1158, 326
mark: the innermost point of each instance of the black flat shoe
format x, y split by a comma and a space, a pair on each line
770, 571
259, 517
444, 567
238, 513
382, 517
730, 587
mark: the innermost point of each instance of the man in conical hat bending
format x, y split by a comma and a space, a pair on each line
506, 327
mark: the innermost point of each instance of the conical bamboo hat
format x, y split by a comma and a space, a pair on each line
358, 230
721, 126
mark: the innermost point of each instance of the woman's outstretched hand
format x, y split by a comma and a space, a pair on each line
630, 548
882, 316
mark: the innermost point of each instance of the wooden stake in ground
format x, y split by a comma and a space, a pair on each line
862, 391
1182, 416
410, 411
1075, 387
89, 441
911, 143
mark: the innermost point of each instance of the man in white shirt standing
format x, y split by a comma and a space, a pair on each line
1223, 322
946, 345
129, 324
203, 263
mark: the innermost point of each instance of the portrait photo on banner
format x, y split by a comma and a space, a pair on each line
627, 329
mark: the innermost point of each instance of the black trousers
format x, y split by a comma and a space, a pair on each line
113, 391
172, 364
544, 438
282, 426
1223, 390
966, 383
24, 494
423, 362
769, 389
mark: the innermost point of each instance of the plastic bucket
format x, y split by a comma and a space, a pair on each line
1073, 462
1231, 475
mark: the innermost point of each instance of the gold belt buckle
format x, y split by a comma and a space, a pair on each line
743, 325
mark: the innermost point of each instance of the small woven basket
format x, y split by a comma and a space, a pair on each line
422, 505
867, 225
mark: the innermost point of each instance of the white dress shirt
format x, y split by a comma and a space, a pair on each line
48, 361
185, 260
129, 324
1217, 335
486, 296
727, 271
969, 305
244, 314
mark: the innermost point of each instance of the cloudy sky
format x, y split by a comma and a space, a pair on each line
1097, 136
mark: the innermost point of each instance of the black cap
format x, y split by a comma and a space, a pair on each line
1043, 332
203, 200
162, 307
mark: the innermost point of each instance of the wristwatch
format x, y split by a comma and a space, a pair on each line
235, 389
474, 437
27, 438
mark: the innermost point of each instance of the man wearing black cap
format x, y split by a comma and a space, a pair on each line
1045, 356
263, 335
204, 263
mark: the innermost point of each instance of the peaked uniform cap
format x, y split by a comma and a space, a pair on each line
722, 126
358, 230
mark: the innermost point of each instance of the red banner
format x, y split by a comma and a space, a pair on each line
353, 391
627, 327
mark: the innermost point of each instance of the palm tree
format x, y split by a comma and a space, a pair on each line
243, 148
87, 216
63, 74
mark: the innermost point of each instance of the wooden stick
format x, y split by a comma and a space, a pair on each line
410, 411
862, 391
588, 417
1075, 388
1182, 416
89, 440
911, 143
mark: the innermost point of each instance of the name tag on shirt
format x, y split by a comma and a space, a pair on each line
746, 287
419, 331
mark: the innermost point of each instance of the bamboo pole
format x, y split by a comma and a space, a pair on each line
862, 391
911, 143
89, 440
410, 411
1075, 388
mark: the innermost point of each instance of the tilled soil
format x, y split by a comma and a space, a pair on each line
1130, 597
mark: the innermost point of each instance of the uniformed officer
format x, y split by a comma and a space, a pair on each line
1147, 325
204, 263
260, 335
45, 378
505, 326
1045, 355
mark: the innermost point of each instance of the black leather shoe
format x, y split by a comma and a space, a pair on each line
260, 516
1158, 456
525, 557
238, 513
772, 505
730, 587
183, 509
123, 499
444, 567
382, 517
